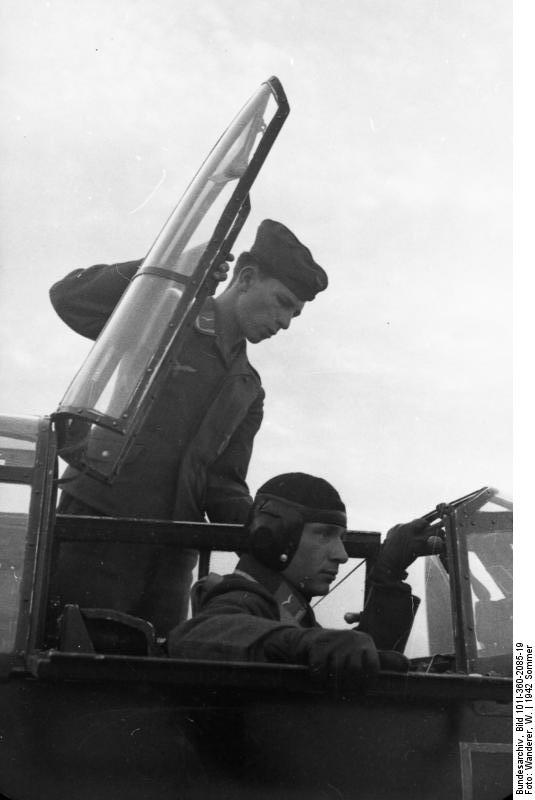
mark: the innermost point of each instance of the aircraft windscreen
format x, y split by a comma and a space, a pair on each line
117, 380
487, 535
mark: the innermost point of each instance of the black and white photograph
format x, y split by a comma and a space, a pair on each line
256, 421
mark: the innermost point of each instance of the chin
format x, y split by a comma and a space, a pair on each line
316, 591
255, 338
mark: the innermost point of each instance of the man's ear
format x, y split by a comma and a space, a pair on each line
248, 275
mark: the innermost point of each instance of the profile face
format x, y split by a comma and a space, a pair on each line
316, 561
265, 305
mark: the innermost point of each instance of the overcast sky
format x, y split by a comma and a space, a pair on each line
394, 167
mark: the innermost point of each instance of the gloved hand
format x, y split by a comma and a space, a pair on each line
394, 661
339, 659
403, 544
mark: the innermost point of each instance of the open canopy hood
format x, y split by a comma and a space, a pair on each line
125, 369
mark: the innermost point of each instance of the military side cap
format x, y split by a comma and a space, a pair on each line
280, 254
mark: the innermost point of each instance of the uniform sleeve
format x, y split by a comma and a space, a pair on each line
227, 493
388, 615
230, 627
85, 298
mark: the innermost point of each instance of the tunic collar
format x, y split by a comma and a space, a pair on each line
291, 602
206, 320
208, 323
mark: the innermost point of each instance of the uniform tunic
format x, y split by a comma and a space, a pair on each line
190, 458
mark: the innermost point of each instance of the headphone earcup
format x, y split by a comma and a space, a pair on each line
274, 533
266, 544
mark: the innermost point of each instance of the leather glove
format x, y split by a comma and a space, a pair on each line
394, 661
339, 659
402, 546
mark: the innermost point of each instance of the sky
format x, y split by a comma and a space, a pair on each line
394, 167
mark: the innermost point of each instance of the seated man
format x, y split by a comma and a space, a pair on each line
261, 612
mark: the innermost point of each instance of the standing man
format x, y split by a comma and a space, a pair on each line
262, 611
192, 453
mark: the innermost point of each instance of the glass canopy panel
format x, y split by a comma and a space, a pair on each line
115, 366
432, 631
198, 212
490, 559
17, 452
117, 376
14, 515
486, 538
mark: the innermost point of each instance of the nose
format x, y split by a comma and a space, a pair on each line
284, 323
338, 552
284, 319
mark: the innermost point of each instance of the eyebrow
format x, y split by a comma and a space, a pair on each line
330, 529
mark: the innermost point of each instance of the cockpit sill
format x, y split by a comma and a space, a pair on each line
231, 679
